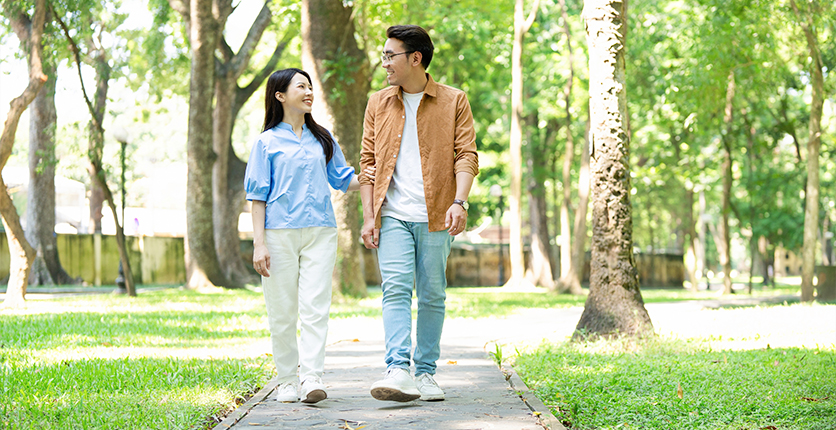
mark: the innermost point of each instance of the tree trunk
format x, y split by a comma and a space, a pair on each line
579, 241
614, 305
29, 32
40, 207
539, 264
811, 209
203, 268
328, 31
691, 242
724, 245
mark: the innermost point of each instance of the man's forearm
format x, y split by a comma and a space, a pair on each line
464, 180
367, 197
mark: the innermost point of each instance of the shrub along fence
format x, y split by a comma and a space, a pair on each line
160, 260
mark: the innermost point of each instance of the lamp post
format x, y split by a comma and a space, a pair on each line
121, 135
496, 191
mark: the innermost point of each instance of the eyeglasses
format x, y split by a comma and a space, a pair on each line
387, 58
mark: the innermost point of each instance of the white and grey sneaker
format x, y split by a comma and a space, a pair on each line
397, 386
313, 390
288, 392
429, 389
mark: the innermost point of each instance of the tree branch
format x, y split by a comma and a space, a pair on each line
242, 58
77, 55
243, 94
531, 16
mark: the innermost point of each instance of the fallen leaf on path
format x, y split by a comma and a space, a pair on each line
452, 362
355, 340
495, 416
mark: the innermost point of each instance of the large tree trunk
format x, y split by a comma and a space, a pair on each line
228, 173
29, 32
40, 207
811, 210
327, 36
724, 245
614, 305
203, 268
539, 264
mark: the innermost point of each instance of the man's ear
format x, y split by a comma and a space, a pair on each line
416, 58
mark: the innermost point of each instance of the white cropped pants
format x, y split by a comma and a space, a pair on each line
299, 287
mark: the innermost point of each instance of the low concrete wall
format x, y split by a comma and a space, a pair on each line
154, 260
160, 260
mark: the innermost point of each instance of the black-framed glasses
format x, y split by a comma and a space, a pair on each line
387, 58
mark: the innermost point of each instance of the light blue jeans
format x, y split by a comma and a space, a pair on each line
408, 255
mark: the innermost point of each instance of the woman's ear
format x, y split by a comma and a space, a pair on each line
279, 97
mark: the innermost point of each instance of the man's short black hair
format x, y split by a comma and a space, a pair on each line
414, 38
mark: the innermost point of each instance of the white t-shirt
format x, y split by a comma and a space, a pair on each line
405, 197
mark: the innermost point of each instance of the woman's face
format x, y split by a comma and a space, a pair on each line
299, 95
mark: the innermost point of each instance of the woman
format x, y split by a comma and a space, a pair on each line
292, 164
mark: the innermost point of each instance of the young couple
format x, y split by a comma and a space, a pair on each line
419, 144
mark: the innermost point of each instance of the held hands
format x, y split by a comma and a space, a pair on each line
456, 219
370, 235
261, 260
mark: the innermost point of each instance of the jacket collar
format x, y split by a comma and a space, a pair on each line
430, 90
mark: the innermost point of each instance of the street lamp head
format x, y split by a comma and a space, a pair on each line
496, 190
121, 134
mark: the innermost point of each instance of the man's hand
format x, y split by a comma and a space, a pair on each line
261, 260
456, 219
370, 235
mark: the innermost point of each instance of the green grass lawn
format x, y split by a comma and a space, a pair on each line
635, 384
177, 359
166, 360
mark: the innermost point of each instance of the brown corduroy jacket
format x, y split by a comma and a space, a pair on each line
446, 141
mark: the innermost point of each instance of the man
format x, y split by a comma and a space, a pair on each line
419, 136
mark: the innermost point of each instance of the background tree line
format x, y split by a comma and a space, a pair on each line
729, 104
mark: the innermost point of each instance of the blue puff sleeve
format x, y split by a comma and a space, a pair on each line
339, 173
257, 176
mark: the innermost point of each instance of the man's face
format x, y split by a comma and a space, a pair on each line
399, 67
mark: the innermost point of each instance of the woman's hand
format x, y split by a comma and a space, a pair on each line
261, 260
354, 185
369, 172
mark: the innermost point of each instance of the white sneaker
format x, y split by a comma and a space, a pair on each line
313, 390
288, 392
429, 389
397, 386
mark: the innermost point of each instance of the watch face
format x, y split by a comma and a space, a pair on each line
463, 203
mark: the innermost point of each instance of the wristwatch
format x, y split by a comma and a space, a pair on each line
462, 203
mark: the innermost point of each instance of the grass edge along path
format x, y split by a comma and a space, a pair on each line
665, 383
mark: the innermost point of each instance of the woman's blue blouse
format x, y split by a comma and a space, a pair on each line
290, 174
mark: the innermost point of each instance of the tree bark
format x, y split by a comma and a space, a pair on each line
29, 31
328, 31
724, 245
614, 305
811, 209
203, 268
521, 26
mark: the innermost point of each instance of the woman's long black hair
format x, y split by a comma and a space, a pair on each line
274, 112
